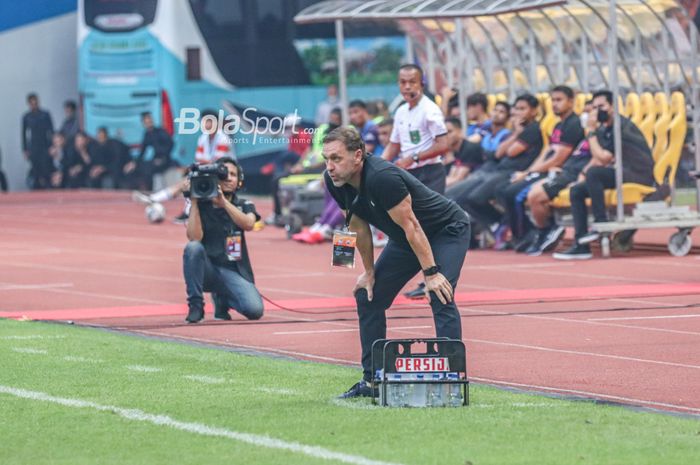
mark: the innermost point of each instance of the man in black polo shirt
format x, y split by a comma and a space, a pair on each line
515, 154
216, 258
637, 164
426, 232
565, 136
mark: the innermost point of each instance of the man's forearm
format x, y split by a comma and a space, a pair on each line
391, 151
598, 153
243, 220
364, 243
421, 247
438, 148
194, 223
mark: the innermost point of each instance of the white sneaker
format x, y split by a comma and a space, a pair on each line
140, 197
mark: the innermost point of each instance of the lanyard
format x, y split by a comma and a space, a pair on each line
350, 206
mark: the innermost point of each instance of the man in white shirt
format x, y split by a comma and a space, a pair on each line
419, 134
419, 138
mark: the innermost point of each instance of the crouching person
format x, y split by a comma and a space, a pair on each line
216, 258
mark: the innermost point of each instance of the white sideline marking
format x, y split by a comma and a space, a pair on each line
628, 400
281, 391
662, 317
205, 379
30, 336
354, 404
577, 352
75, 358
27, 350
143, 369
349, 330
26, 287
197, 428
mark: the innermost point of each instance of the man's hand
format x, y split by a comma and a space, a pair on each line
97, 171
518, 176
440, 286
220, 200
296, 169
365, 281
129, 167
517, 123
592, 123
404, 162
75, 170
26, 154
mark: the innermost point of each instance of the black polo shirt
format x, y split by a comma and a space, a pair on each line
383, 186
217, 226
637, 160
531, 137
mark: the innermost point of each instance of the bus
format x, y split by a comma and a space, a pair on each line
163, 56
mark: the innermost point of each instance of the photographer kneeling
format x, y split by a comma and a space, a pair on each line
216, 258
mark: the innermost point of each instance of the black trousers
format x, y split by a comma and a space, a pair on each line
433, 176
598, 178
478, 201
41, 169
513, 203
396, 265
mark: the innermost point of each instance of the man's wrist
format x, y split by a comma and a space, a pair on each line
416, 157
431, 271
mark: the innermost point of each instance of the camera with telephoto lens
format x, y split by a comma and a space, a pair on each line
204, 180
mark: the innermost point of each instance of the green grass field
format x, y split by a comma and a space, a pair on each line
71, 395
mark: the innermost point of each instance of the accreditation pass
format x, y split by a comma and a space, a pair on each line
344, 244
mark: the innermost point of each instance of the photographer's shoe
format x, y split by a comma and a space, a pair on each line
195, 314
417, 293
361, 389
181, 218
220, 309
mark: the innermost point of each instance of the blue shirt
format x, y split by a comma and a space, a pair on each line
490, 141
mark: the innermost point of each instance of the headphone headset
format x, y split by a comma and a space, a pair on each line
241, 175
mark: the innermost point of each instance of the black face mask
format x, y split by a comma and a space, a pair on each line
603, 116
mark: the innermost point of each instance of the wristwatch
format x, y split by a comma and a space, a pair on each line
433, 270
415, 157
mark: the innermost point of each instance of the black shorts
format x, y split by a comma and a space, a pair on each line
557, 184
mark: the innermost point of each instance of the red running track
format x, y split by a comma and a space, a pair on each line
625, 329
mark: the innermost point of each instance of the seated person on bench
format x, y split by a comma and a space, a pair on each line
637, 163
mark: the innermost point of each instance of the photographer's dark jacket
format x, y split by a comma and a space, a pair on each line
217, 226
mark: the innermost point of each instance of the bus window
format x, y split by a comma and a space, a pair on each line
119, 15
251, 53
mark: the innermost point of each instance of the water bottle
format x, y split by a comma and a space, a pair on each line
418, 395
395, 393
435, 396
454, 398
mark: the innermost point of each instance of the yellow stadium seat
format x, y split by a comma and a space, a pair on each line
648, 108
671, 129
661, 135
501, 97
621, 106
661, 102
492, 101
579, 103
549, 120
633, 107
